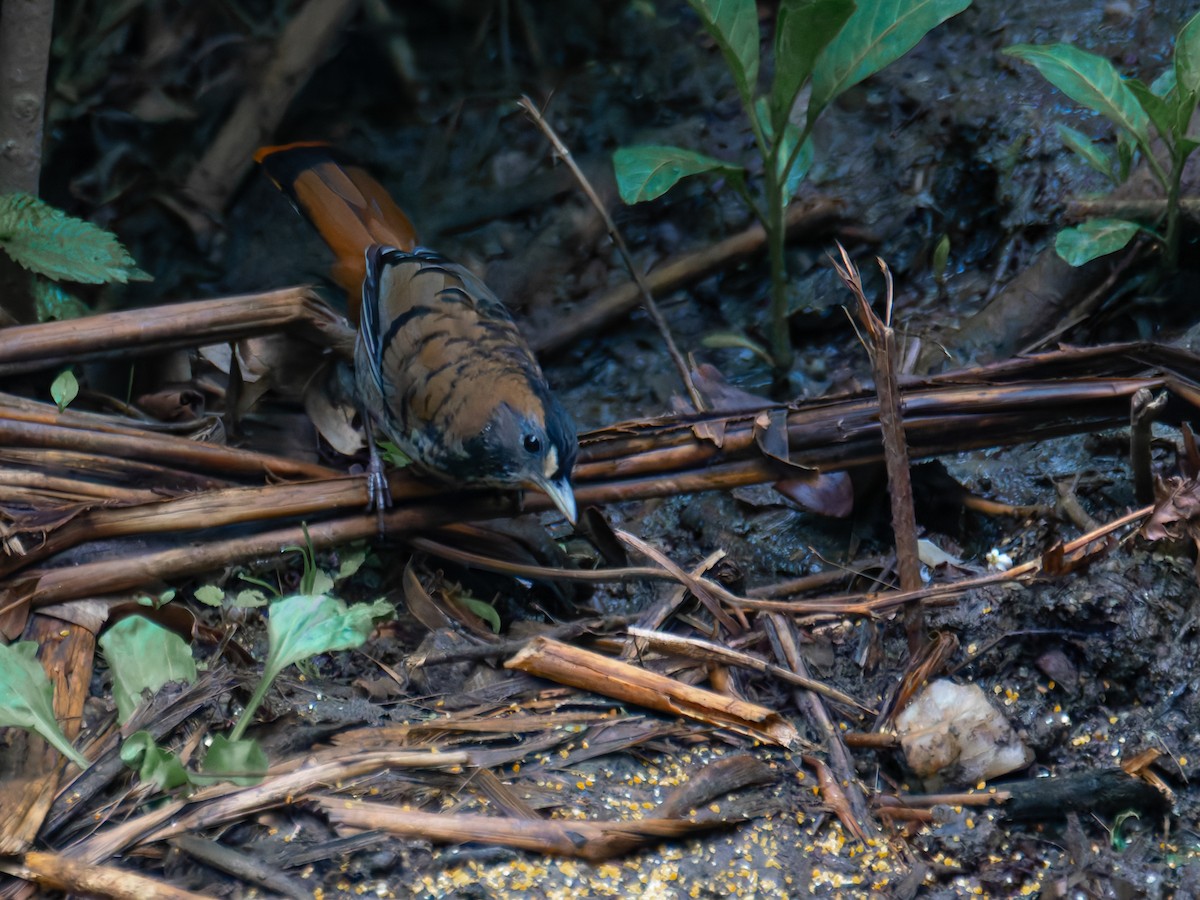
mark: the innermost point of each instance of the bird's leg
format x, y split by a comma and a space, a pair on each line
379, 496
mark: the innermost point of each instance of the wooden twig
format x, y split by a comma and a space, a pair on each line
51, 345
882, 351
647, 297
62, 872
228, 803
1144, 409
855, 815
609, 677
803, 217
707, 651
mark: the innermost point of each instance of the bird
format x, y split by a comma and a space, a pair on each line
440, 366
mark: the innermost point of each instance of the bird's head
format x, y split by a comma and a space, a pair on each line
533, 450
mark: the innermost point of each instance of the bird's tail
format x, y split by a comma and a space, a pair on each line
349, 208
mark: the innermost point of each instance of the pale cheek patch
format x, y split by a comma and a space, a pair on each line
550, 464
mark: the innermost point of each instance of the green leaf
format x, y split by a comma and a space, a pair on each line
647, 172
1187, 57
47, 241
305, 625
154, 765
53, 303
1093, 239
802, 29
1163, 84
1090, 80
1126, 149
483, 610
878, 33
1185, 106
788, 179
144, 656
64, 389
393, 455
352, 559
733, 24
941, 256
732, 340
250, 600
242, 762
1160, 110
1093, 154
27, 698
209, 595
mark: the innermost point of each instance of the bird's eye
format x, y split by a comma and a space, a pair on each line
532, 444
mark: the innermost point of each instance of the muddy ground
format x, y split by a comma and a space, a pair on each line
955, 139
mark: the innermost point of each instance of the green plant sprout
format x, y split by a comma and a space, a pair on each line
1166, 105
27, 698
831, 45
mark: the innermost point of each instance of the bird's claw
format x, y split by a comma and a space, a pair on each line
379, 496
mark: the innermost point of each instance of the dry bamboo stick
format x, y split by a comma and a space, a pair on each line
26, 348
609, 677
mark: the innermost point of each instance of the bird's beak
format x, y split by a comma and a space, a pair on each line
559, 491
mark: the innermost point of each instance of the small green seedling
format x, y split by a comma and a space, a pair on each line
27, 698
831, 45
299, 627
64, 389
1135, 108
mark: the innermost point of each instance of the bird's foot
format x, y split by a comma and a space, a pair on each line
379, 496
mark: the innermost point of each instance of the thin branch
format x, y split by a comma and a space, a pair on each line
647, 298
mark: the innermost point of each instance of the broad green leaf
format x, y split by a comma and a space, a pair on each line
144, 656
1161, 111
733, 24
27, 698
154, 765
877, 34
55, 303
802, 29
305, 625
64, 389
1093, 239
242, 762
1090, 80
1187, 56
209, 595
47, 241
647, 172
1093, 154
483, 610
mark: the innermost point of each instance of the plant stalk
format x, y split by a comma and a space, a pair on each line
1171, 238
781, 339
